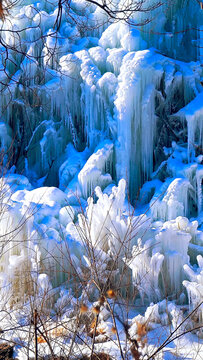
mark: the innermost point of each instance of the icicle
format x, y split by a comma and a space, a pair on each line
173, 241
193, 113
194, 287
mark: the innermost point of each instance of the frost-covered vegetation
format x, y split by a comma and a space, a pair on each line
101, 217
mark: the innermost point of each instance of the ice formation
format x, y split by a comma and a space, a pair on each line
96, 119
195, 286
146, 271
97, 170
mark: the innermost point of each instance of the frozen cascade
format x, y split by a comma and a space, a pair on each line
141, 76
91, 72
169, 203
200, 189
134, 154
194, 286
5, 142
12, 223
96, 96
146, 270
97, 170
193, 114
71, 81
90, 102
17, 248
107, 224
168, 33
32, 222
173, 241
56, 45
72, 166
88, 109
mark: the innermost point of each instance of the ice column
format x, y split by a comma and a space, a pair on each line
134, 111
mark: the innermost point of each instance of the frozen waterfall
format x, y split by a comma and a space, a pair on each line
101, 139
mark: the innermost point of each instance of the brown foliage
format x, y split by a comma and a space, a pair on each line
100, 356
111, 294
6, 351
83, 308
1, 10
141, 330
135, 353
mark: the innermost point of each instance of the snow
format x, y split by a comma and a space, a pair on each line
46, 195
97, 117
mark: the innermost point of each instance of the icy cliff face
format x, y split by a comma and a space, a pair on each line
86, 109
176, 29
71, 88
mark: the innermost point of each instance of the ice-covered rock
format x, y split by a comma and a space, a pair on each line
97, 170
